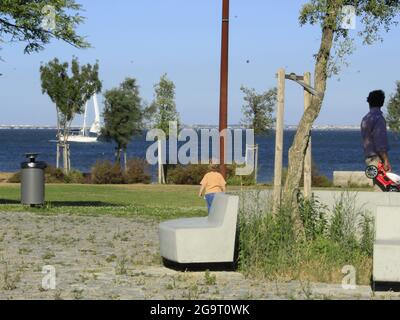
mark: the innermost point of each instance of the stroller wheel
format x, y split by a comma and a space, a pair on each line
371, 172
393, 189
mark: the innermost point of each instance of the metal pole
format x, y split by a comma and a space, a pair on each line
223, 104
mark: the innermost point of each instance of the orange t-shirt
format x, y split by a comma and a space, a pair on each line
213, 182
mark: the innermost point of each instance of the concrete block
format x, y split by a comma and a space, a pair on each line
345, 179
202, 240
386, 258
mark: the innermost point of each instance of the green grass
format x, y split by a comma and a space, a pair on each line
151, 201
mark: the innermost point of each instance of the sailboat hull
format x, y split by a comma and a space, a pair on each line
80, 139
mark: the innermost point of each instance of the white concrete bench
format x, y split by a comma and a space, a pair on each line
202, 240
386, 263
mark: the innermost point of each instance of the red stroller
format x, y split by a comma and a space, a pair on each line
387, 181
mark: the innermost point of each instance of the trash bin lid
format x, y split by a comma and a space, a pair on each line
34, 165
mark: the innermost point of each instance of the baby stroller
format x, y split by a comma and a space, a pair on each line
387, 181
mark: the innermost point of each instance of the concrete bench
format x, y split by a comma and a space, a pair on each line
386, 262
202, 240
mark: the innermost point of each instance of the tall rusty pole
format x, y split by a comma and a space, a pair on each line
223, 103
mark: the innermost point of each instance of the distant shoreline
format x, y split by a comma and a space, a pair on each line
288, 127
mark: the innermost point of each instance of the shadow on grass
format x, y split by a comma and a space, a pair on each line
9, 201
82, 204
66, 203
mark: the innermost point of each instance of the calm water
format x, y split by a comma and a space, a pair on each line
332, 150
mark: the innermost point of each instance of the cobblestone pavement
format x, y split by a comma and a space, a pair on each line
107, 257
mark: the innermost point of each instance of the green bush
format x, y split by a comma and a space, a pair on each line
15, 178
186, 174
75, 176
192, 174
105, 172
137, 171
53, 175
317, 179
270, 246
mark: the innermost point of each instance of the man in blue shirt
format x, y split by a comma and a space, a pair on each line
374, 132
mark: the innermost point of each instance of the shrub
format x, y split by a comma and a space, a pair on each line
235, 180
137, 171
105, 172
270, 248
15, 178
186, 174
313, 216
75, 176
53, 175
192, 174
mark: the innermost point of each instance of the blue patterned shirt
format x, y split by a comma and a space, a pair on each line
374, 133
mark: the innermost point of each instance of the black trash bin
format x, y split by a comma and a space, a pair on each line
32, 181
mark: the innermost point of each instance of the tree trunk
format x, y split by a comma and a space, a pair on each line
118, 158
125, 161
161, 176
65, 158
298, 149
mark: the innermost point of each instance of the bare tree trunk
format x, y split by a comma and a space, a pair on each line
298, 149
125, 161
118, 159
65, 149
161, 175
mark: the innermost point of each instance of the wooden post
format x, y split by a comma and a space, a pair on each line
279, 138
307, 159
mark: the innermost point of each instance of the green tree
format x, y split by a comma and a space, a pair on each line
375, 15
393, 110
69, 92
36, 22
164, 109
123, 116
258, 109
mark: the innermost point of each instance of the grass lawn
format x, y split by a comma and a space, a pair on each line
152, 201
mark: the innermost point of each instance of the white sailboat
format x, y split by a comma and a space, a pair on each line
83, 135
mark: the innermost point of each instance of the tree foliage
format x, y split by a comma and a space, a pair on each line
393, 110
69, 91
163, 106
376, 15
123, 114
258, 108
23, 21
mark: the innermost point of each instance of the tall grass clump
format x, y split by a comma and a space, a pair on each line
343, 235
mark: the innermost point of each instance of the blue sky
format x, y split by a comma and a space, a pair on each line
146, 38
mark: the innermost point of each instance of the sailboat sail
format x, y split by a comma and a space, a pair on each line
96, 126
83, 135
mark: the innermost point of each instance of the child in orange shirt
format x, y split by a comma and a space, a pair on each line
213, 182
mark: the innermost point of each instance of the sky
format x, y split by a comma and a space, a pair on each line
147, 38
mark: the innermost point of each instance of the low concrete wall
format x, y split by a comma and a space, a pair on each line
350, 178
259, 202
